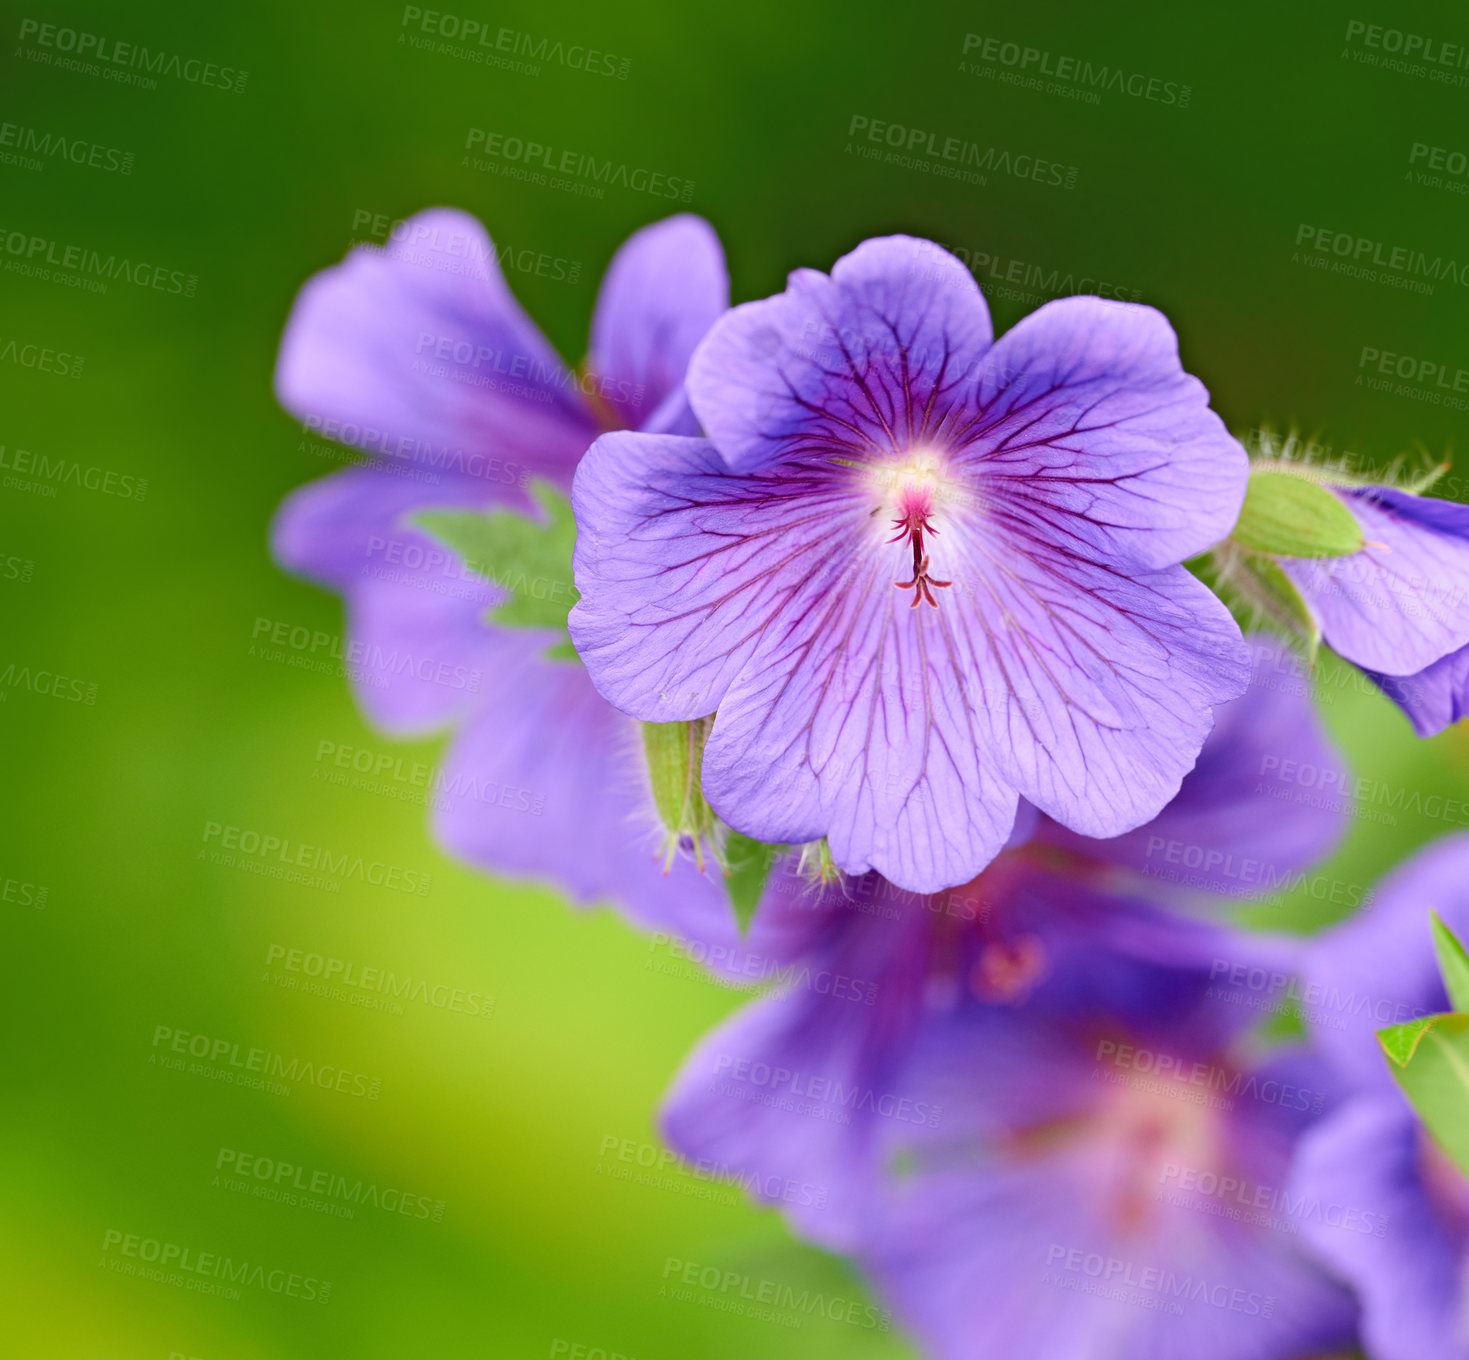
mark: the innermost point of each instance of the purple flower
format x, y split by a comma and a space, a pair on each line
787, 1097
419, 356
920, 575
1399, 608
1398, 1226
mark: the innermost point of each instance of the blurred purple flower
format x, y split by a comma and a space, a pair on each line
870, 976
1406, 1206
418, 355
920, 575
1399, 608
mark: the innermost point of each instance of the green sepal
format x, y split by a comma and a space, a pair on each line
527, 558
675, 757
1274, 591
1430, 1059
1453, 963
1286, 515
749, 863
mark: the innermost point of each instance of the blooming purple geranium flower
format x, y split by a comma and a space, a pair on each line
1399, 608
1407, 1256
920, 574
868, 973
419, 356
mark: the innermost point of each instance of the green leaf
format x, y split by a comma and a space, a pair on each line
1287, 515
1430, 1059
749, 862
529, 559
1453, 963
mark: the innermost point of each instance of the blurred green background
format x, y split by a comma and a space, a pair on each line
147, 602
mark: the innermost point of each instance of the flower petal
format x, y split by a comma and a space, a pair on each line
1090, 690
1089, 434
546, 780
417, 352
417, 650
1377, 1229
1379, 968
869, 356
1403, 601
665, 287
1267, 798
1434, 698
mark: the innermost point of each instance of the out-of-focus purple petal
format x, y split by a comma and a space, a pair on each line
1379, 968
665, 287
417, 353
547, 782
1268, 797
1371, 1219
1403, 601
1434, 698
415, 648
869, 356
1096, 1227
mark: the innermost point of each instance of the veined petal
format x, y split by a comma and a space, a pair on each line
1092, 690
1267, 798
417, 352
1083, 429
870, 357
1401, 603
665, 287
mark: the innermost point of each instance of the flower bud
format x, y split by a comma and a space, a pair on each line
675, 756
1289, 515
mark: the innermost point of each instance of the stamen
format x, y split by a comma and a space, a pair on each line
912, 526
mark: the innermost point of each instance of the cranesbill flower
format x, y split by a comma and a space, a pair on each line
919, 574
793, 1096
1400, 1231
1106, 1182
419, 356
